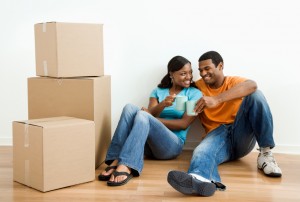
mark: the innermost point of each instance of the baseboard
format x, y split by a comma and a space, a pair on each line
5, 141
285, 149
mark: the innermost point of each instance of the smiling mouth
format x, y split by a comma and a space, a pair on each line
207, 77
187, 82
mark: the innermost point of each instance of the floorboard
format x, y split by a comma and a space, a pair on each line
244, 183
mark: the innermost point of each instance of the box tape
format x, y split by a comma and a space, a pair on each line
27, 177
44, 27
59, 81
45, 65
26, 135
27, 162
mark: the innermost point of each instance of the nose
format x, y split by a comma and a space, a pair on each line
189, 76
202, 73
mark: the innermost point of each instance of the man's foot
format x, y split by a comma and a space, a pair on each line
266, 162
189, 185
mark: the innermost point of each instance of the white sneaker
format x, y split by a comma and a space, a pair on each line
267, 163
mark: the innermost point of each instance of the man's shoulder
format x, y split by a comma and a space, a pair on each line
198, 82
235, 79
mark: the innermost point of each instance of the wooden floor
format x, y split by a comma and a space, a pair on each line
244, 183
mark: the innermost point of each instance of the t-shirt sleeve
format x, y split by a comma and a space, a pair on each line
195, 94
233, 80
154, 93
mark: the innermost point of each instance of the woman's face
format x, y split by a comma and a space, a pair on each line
183, 77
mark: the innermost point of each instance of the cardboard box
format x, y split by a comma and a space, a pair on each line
86, 98
53, 153
69, 49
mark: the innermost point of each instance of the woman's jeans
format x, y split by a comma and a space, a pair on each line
229, 142
139, 133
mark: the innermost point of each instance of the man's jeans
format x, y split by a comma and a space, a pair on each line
228, 142
139, 133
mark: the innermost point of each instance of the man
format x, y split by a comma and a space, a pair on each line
235, 115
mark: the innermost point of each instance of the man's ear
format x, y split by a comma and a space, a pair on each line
220, 66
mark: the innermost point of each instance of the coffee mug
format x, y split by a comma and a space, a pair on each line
180, 102
190, 106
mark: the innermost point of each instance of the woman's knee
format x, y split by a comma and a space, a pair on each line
130, 108
142, 117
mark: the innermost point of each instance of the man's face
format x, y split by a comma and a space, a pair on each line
212, 75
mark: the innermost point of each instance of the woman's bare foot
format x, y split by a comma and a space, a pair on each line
106, 174
120, 178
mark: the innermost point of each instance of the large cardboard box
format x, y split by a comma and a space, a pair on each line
86, 98
69, 49
53, 153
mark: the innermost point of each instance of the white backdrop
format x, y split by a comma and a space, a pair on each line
257, 39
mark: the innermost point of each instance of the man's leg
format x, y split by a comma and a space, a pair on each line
254, 123
202, 176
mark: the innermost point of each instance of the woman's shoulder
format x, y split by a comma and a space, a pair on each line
192, 90
159, 91
193, 93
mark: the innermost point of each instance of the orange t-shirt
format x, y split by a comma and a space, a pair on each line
225, 112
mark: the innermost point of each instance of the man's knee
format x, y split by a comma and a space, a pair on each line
257, 96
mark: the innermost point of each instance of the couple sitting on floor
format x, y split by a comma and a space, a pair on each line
233, 112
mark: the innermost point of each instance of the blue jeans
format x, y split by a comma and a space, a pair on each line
139, 133
229, 142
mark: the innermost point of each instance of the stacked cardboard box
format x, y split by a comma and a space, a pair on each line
70, 79
53, 153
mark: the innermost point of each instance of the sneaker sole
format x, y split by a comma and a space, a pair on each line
270, 174
186, 184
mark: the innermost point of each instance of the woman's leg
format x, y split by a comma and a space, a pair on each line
163, 143
122, 132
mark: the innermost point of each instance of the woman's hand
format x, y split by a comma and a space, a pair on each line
168, 101
145, 109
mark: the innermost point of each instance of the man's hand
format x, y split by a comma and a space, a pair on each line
206, 101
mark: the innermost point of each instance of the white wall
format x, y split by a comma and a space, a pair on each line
257, 39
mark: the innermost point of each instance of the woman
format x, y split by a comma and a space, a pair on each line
158, 132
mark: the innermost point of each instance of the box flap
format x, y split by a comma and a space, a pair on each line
52, 122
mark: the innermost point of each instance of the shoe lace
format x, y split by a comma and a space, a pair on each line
269, 158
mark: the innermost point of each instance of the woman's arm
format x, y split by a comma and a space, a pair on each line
155, 108
178, 124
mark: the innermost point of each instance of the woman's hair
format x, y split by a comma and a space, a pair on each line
175, 64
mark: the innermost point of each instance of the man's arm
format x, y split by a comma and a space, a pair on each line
240, 90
